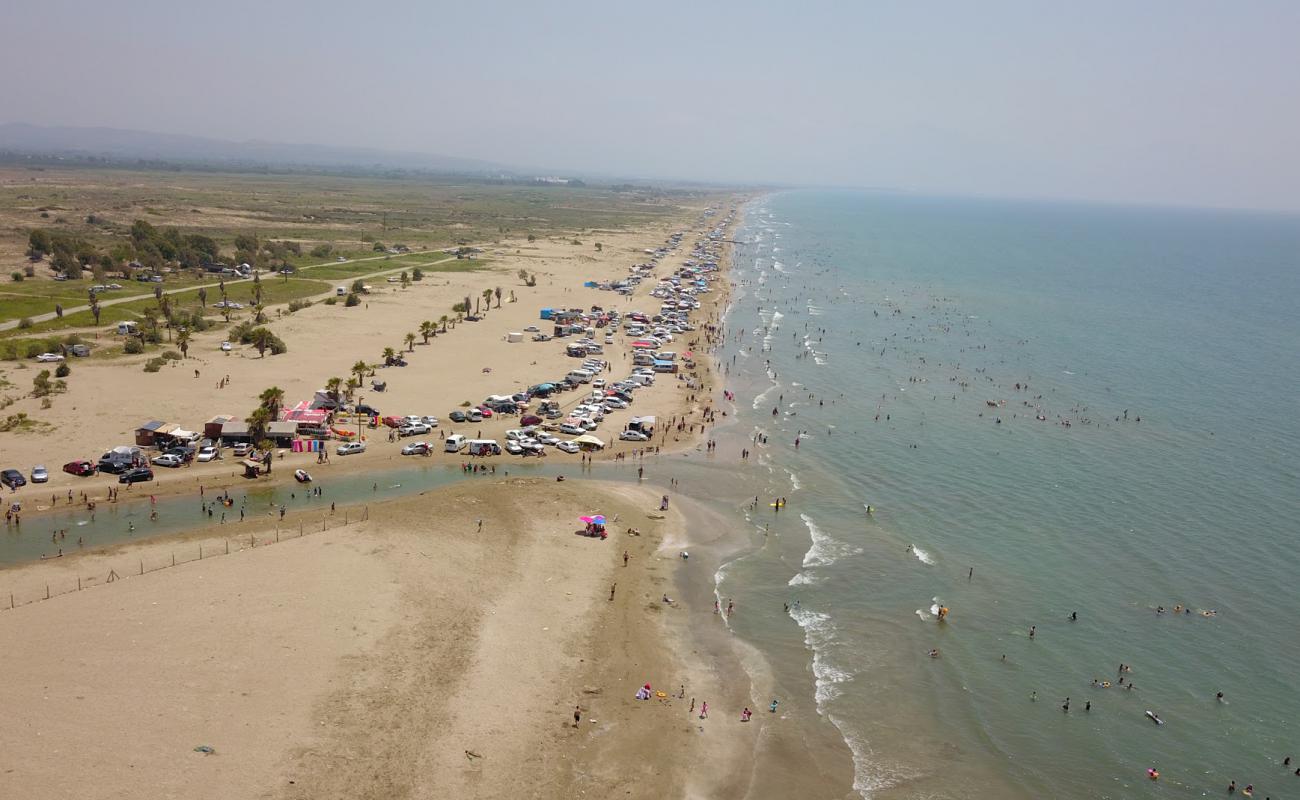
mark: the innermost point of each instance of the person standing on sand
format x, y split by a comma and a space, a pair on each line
577, 715
612, 587
625, 558
704, 710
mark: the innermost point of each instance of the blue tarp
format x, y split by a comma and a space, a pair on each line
547, 313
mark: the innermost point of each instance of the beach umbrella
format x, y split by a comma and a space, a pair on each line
595, 519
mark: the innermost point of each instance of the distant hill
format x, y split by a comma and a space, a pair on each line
117, 144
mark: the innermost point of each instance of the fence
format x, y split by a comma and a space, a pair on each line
205, 549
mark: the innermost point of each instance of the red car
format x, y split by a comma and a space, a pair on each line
82, 468
485, 411
393, 422
530, 419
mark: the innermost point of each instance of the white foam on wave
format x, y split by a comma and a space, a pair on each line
818, 634
803, 579
825, 550
761, 399
795, 484
922, 555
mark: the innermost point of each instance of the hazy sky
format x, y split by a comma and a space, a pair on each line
1140, 101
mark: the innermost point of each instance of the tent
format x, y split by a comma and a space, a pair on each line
586, 440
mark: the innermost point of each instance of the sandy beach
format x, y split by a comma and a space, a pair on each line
467, 363
411, 654
434, 646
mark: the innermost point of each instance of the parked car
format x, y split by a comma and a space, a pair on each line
49, 358
569, 446
40, 474
12, 478
79, 468
114, 465
208, 453
241, 449
514, 448
530, 419
571, 429
135, 475
419, 429
633, 436
474, 415
483, 412
369, 411
431, 421
417, 449
226, 347
457, 416
348, 448
531, 329
167, 460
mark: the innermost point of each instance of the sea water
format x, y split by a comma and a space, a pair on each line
1051, 410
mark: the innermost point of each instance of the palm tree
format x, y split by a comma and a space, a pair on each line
389, 354
427, 329
442, 319
261, 340
259, 317
497, 292
467, 306
487, 299
257, 422
334, 387
183, 343
410, 342
352, 385
272, 399
360, 369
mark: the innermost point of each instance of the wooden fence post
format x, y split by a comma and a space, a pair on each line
173, 559
47, 591
78, 583
142, 566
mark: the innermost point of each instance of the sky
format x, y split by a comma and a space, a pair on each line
1160, 101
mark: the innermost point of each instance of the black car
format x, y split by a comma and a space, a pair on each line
457, 416
114, 465
136, 475
369, 411
12, 478
186, 452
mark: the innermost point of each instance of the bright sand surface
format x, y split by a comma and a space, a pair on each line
406, 654
409, 654
107, 400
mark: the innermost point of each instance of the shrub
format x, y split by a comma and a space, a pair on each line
171, 355
331, 301
62, 371
417, 274
133, 346
298, 305
153, 365
25, 322
322, 250
352, 300
29, 271
16, 275
34, 349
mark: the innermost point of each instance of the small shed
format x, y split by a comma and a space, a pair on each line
283, 432
235, 430
212, 428
153, 432
514, 337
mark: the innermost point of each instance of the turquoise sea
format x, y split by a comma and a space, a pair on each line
1147, 459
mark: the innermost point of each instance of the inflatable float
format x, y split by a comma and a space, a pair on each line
302, 476
1151, 715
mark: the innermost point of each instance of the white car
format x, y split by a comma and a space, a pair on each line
572, 429
417, 449
226, 347
547, 438
431, 421
633, 436
167, 460
568, 446
531, 329
348, 448
598, 383
514, 448
49, 358
414, 430
40, 474
589, 424
208, 453
614, 403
